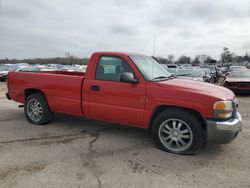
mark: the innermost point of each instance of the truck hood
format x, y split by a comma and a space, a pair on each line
206, 89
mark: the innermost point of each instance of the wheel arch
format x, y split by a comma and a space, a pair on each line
162, 108
30, 91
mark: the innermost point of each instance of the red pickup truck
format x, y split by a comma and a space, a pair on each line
133, 90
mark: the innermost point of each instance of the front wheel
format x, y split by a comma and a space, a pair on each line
177, 131
36, 109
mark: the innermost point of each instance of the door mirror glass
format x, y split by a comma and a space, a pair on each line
128, 77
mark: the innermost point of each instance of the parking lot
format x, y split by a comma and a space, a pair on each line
76, 152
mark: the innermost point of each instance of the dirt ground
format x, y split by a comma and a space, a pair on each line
77, 152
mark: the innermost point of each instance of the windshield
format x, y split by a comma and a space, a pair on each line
189, 73
150, 69
172, 66
239, 74
236, 68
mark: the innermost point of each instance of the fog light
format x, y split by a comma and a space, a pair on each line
225, 115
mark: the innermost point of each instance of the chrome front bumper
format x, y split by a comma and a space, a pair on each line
224, 131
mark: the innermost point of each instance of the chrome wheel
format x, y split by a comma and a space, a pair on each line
34, 110
175, 135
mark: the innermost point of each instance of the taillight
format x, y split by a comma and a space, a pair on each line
7, 80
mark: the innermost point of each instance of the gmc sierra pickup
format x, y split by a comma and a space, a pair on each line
133, 90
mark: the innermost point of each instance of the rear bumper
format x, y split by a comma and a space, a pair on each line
224, 131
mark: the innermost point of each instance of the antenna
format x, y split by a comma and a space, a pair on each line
154, 46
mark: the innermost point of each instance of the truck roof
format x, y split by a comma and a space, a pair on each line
116, 53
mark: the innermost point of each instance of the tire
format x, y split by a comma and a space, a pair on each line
37, 110
186, 130
212, 80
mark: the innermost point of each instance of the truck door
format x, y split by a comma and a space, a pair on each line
112, 100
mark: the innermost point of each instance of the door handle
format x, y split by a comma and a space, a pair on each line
95, 88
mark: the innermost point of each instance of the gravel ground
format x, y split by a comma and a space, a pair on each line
77, 152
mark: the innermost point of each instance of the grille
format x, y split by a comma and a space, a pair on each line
245, 84
240, 84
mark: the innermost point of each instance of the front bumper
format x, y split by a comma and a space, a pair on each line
224, 131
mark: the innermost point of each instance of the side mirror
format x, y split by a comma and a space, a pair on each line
128, 77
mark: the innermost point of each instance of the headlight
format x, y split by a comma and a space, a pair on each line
223, 109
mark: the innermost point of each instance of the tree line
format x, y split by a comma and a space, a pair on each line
226, 58
56, 60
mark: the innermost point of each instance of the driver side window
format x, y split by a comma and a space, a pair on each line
110, 68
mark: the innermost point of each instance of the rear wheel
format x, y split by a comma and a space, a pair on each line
177, 131
36, 109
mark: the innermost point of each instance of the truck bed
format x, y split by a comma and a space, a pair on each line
62, 89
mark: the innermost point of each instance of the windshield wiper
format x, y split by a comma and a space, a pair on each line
160, 77
184, 75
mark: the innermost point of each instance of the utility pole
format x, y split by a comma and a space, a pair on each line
154, 46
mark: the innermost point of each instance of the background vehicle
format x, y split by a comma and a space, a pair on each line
238, 81
207, 74
215, 73
236, 68
171, 68
191, 74
28, 69
132, 90
3, 73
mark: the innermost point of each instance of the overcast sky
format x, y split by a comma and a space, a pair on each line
49, 28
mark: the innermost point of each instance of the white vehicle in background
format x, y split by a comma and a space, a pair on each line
191, 74
207, 76
171, 68
82, 68
3, 73
28, 69
15, 67
236, 68
185, 66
